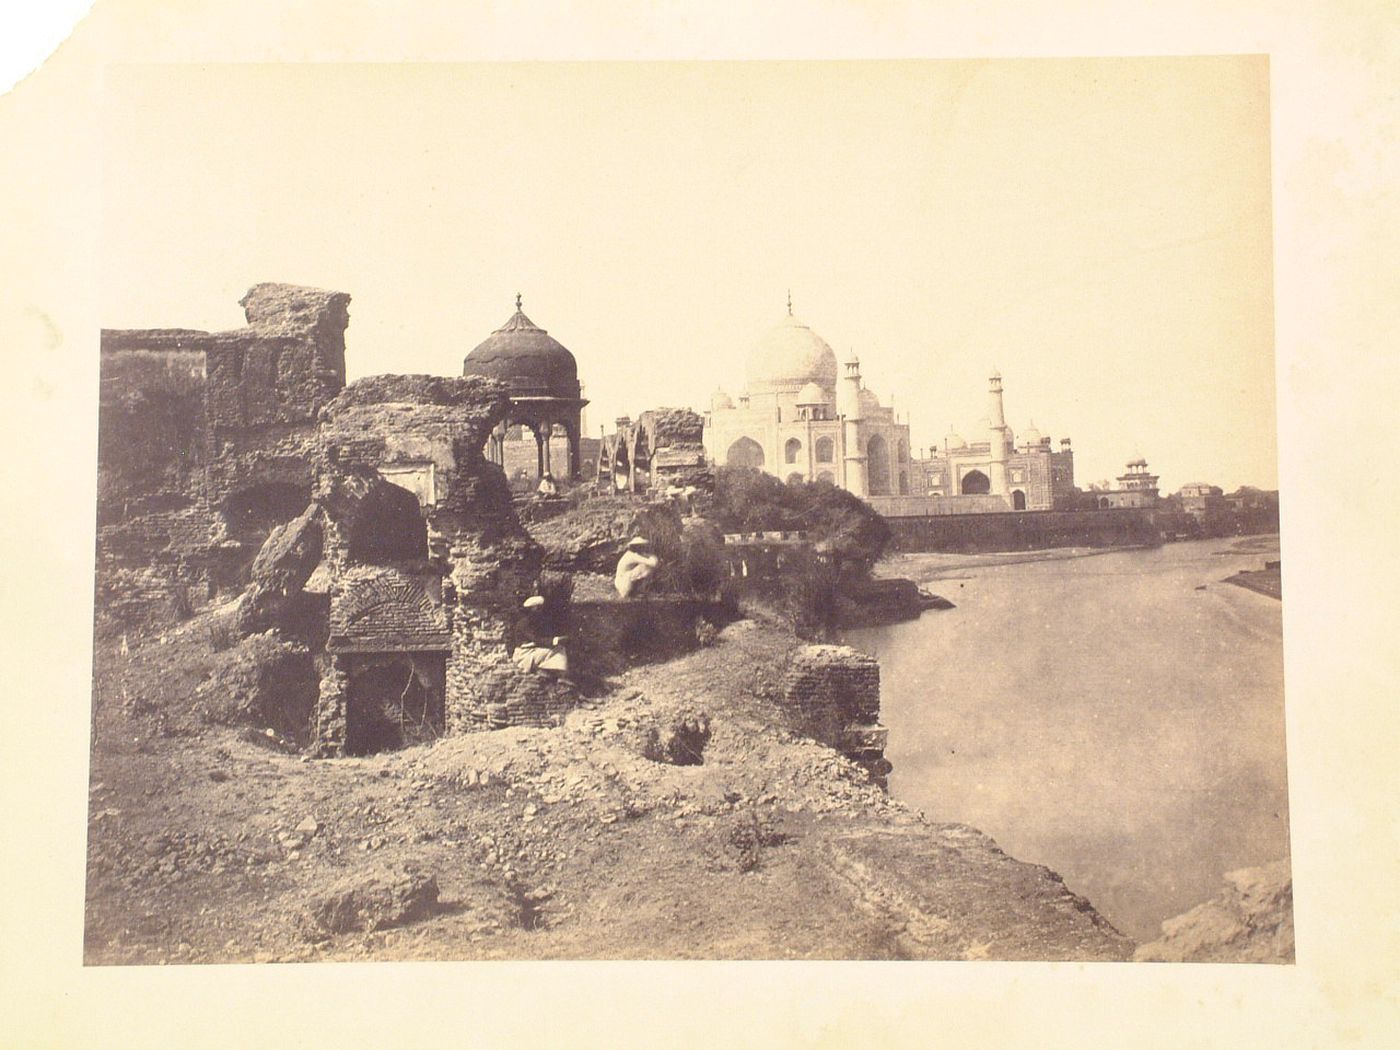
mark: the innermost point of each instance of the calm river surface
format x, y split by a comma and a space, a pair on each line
1097, 714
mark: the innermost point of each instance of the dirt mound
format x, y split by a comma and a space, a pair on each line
374, 901
678, 741
264, 681
1250, 921
543, 843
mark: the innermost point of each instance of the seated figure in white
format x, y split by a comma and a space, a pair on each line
634, 568
540, 651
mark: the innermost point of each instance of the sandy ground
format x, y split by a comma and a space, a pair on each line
207, 845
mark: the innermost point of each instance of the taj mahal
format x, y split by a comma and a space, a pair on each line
803, 418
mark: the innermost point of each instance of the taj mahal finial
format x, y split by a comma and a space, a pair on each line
517, 302
789, 302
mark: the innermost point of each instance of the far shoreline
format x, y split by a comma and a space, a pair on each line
927, 566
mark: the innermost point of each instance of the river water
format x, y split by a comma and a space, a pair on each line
1098, 713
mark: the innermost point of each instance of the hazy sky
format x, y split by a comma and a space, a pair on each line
1098, 229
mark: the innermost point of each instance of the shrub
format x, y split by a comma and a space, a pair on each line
749, 833
810, 587
748, 500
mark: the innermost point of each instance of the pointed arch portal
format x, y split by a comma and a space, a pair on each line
746, 452
975, 483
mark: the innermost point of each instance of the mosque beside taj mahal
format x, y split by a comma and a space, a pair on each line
803, 417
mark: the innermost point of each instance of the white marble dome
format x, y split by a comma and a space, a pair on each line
790, 356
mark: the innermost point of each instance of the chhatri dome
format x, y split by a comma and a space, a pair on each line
790, 356
541, 377
525, 357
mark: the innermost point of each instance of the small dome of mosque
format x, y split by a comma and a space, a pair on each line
1031, 436
954, 439
720, 401
811, 394
526, 358
868, 400
789, 356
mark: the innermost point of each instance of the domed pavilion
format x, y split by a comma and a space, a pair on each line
804, 417
545, 393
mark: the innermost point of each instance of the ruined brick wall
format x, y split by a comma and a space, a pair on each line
426, 434
204, 447
835, 691
154, 523
669, 427
267, 384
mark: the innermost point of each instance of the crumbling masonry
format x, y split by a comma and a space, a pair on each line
205, 445
371, 543
836, 692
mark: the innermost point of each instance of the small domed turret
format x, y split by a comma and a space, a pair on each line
526, 358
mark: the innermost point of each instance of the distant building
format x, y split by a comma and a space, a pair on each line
1136, 488
663, 448
1202, 501
998, 472
800, 418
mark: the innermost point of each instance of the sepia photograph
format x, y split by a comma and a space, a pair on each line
610, 524
677, 510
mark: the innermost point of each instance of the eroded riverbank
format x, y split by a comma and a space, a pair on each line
1115, 715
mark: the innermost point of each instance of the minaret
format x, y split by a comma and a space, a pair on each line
996, 434
848, 408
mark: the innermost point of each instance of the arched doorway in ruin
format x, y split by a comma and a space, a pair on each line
393, 700
1018, 500
388, 527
